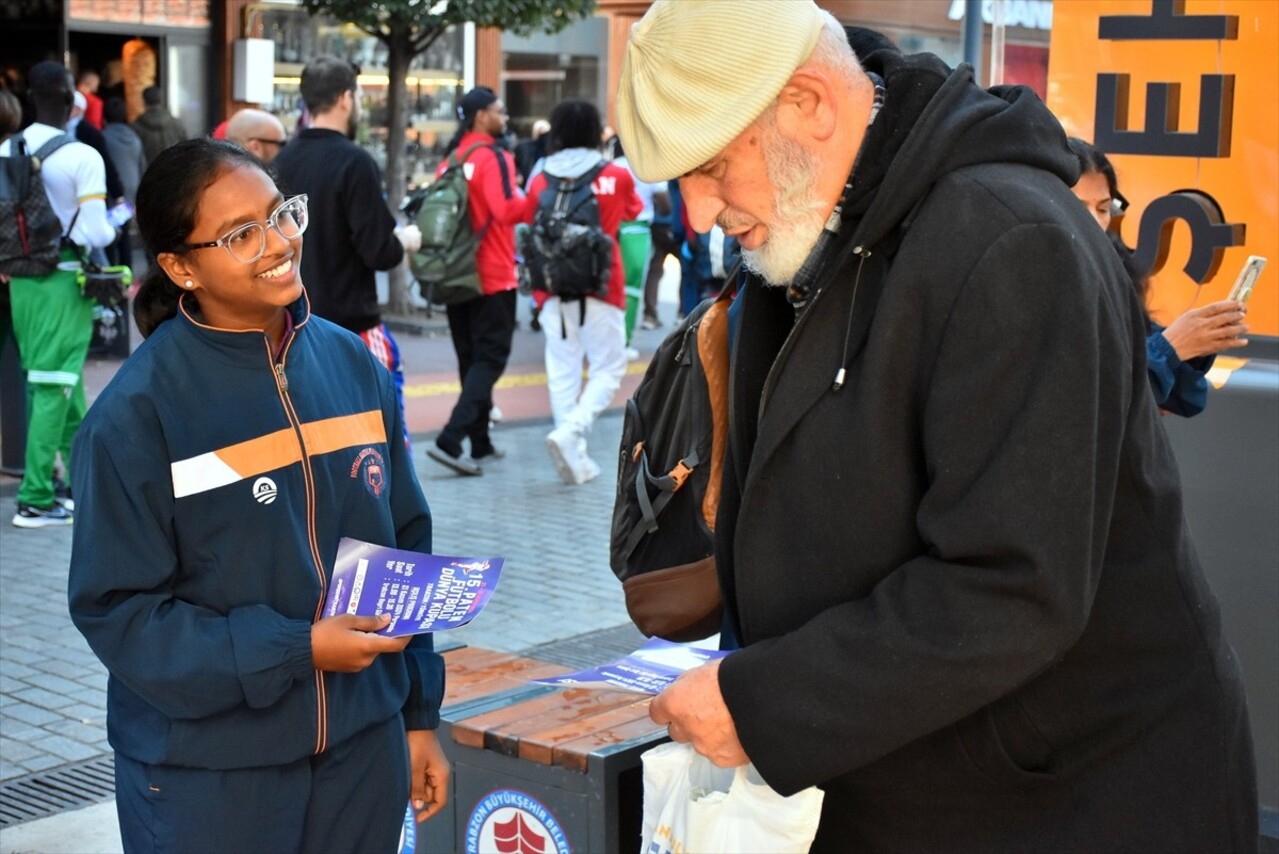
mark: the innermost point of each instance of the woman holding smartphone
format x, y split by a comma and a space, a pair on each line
1180, 354
215, 475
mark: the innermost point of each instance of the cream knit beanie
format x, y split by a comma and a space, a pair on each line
698, 72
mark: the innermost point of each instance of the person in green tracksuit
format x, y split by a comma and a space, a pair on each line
52, 319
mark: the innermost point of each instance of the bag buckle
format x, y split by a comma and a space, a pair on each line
679, 474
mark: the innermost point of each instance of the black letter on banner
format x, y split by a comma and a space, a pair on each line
1161, 136
1209, 233
1168, 20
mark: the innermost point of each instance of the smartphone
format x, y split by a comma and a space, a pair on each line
1247, 278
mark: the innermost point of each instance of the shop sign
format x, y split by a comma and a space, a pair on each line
1031, 14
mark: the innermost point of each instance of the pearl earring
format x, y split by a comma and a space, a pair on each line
188, 284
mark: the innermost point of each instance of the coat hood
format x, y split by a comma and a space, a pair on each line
571, 162
936, 121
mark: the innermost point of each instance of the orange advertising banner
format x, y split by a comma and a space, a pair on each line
1183, 96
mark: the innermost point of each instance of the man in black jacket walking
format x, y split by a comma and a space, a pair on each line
950, 536
352, 232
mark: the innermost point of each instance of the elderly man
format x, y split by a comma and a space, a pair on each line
950, 536
258, 131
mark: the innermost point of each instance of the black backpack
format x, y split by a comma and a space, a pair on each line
30, 232
674, 438
565, 252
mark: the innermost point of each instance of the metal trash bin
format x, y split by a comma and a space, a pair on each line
478, 681
555, 771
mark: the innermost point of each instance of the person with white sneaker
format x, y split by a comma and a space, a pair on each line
52, 320
591, 330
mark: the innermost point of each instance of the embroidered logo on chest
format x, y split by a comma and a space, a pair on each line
370, 468
264, 490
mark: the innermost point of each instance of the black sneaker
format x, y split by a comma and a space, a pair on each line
42, 517
62, 495
462, 463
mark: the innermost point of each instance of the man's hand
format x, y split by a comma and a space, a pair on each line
1209, 329
694, 711
429, 773
346, 643
410, 237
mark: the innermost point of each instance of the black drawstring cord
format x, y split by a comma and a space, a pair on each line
863, 254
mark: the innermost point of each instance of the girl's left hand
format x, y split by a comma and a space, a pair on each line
429, 773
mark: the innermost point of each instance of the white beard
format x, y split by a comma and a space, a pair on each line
798, 218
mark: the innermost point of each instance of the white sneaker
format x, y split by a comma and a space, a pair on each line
590, 469
564, 444
495, 414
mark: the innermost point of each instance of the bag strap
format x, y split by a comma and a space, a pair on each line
584, 180
43, 152
501, 165
712, 353
667, 485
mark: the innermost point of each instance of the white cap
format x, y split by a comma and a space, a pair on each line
698, 72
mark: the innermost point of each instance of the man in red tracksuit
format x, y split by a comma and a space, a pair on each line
482, 328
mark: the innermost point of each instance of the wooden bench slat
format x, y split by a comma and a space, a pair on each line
500, 729
575, 755
514, 678
540, 746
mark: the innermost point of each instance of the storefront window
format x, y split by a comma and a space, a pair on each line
188, 72
433, 85
540, 70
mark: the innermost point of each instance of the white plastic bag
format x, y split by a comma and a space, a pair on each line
690, 805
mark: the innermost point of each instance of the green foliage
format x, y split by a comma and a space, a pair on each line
420, 22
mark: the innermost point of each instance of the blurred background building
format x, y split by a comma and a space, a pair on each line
189, 47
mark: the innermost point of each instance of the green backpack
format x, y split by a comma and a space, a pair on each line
445, 264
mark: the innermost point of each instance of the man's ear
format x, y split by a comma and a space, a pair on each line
807, 107
176, 266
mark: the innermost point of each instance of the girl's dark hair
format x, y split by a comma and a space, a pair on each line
168, 199
1093, 159
574, 124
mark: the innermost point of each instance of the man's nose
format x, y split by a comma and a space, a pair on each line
703, 204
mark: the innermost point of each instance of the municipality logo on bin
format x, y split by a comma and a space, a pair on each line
512, 822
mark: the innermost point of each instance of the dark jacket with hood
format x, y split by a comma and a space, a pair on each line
158, 130
969, 601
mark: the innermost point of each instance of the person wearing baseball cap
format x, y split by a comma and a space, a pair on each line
950, 538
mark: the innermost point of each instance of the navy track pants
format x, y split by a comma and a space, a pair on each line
349, 799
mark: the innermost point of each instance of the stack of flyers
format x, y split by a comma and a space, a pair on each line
421, 592
647, 670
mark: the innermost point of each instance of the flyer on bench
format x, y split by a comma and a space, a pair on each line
647, 670
421, 592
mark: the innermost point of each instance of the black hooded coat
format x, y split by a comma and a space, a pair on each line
971, 608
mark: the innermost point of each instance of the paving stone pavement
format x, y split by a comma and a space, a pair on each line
556, 584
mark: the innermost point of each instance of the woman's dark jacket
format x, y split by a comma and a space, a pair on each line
213, 482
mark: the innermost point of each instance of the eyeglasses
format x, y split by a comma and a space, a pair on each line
279, 142
247, 243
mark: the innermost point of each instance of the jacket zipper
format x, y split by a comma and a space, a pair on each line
308, 476
771, 380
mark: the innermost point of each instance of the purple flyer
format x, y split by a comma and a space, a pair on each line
647, 670
421, 592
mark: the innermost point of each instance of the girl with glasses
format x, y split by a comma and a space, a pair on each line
1178, 356
218, 470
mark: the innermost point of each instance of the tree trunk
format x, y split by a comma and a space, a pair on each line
399, 56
